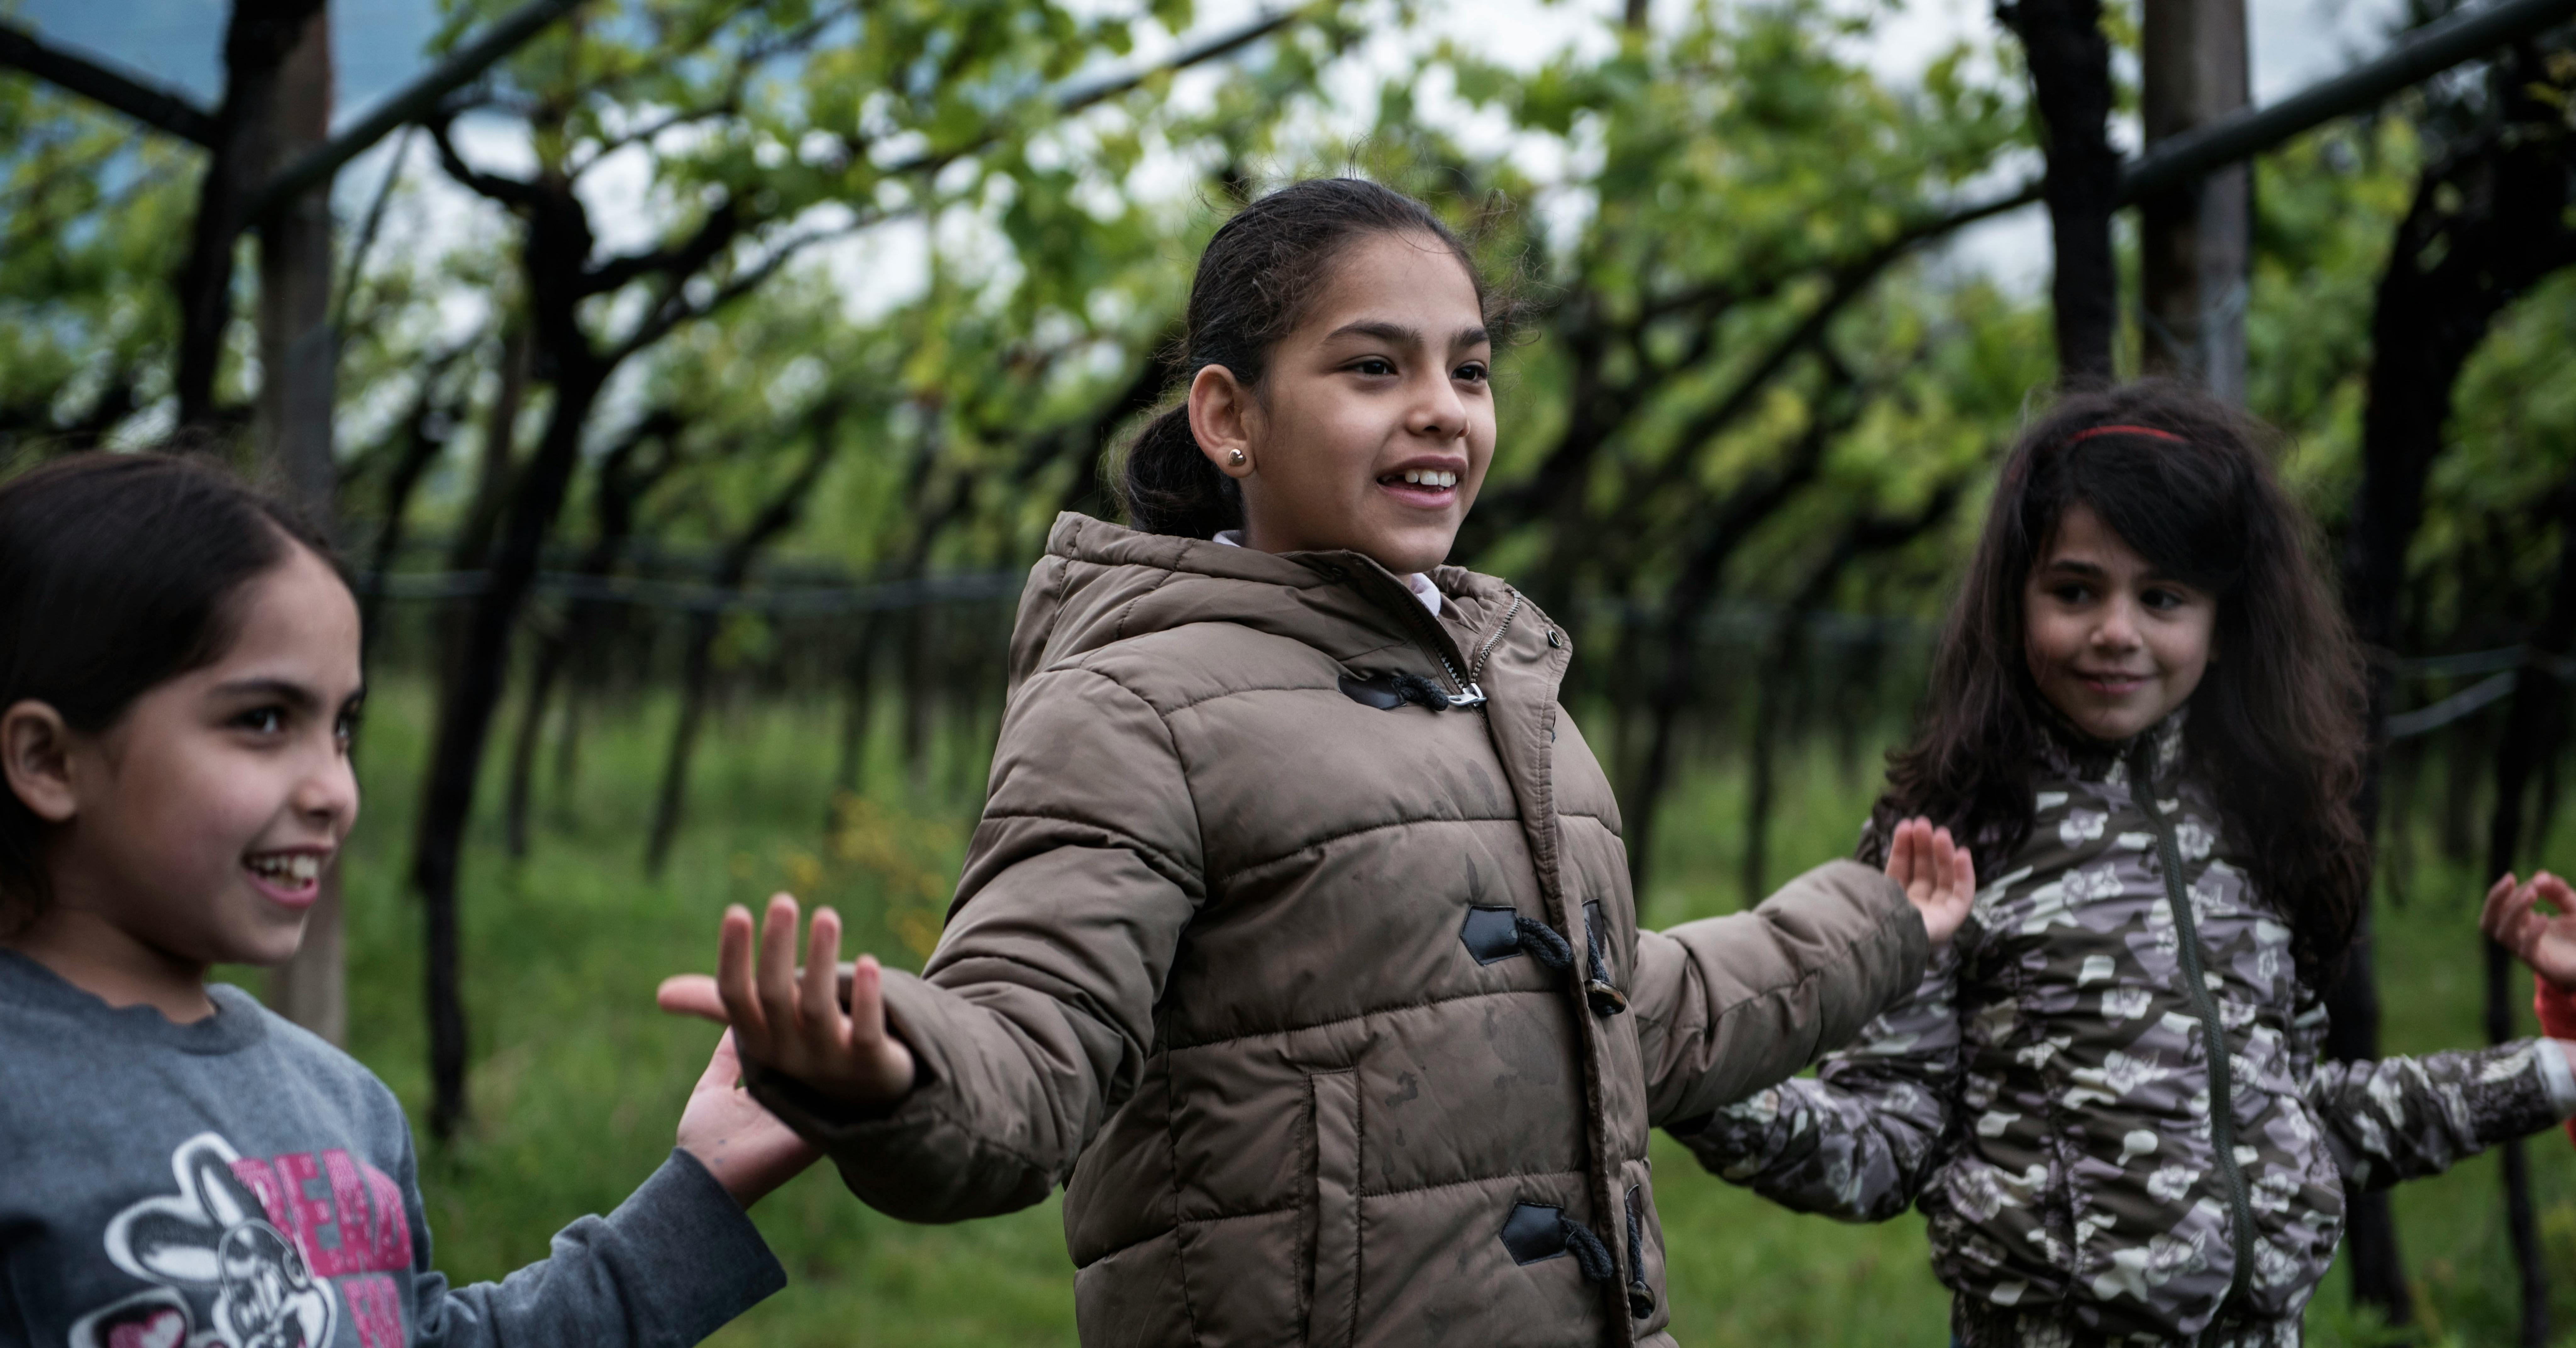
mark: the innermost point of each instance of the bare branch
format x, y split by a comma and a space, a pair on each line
721, 227
1073, 97
508, 191
165, 110
675, 308
418, 100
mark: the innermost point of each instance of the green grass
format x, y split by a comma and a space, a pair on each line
578, 1080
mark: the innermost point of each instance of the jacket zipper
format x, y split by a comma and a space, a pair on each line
2222, 1071
1469, 694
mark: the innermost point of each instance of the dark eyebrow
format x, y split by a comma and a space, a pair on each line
293, 694
2070, 564
1394, 333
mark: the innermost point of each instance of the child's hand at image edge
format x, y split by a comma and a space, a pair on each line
2545, 941
1939, 876
792, 1021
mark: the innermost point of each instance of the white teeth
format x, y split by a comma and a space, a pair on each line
299, 867
1430, 477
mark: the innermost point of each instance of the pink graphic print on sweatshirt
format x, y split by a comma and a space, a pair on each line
248, 1255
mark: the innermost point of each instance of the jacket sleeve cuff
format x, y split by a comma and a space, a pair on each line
836, 1125
921, 1158
703, 1259
2555, 1076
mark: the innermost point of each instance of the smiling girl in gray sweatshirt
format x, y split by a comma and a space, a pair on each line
179, 1168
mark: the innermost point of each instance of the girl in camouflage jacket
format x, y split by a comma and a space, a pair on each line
2146, 717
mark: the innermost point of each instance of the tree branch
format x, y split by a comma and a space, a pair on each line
418, 100
721, 227
510, 192
164, 110
1076, 95
675, 310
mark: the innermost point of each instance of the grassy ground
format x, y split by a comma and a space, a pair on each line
578, 1079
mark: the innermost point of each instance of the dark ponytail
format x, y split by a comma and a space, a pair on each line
1253, 285
118, 572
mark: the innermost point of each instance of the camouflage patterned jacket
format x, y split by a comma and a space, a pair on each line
2045, 1096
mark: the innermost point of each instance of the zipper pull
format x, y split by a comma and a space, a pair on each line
1472, 697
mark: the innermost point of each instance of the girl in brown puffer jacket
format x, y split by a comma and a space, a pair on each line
1296, 940
2109, 1096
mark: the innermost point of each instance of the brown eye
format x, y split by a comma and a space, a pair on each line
1375, 367
1472, 372
262, 720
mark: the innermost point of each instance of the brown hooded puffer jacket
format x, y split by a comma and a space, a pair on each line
1329, 1007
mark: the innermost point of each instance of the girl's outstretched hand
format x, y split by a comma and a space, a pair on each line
743, 1145
1939, 876
791, 1020
2546, 942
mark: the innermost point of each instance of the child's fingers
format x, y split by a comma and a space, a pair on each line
2505, 905
2554, 892
692, 995
2517, 927
724, 1068
775, 980
1963, 872
734, 978
1900, 853
819, 998
2497, 894
867, 1011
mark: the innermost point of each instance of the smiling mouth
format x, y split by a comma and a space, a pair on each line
2112, 683
1429, 488
290, 878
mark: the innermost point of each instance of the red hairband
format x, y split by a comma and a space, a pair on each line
2149, 431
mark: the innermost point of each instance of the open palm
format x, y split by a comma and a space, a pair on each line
818, 1023
1939, 876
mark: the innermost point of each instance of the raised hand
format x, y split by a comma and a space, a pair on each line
793, 1022
743, 1145
1939, 876
2545, 941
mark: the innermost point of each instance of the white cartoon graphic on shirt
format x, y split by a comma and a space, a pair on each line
214, 1236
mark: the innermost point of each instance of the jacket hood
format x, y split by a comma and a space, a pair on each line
1101, 583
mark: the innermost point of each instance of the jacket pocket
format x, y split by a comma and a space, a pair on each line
1333, 1256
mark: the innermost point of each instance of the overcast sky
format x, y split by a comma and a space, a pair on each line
380, 41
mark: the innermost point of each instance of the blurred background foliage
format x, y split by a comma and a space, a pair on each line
821, 312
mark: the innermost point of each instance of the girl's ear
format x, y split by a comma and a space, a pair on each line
35, 752
1221, 413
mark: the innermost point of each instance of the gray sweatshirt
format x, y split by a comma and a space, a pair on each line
237, 1182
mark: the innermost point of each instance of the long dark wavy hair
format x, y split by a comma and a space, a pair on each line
1259, 274
2275, 731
